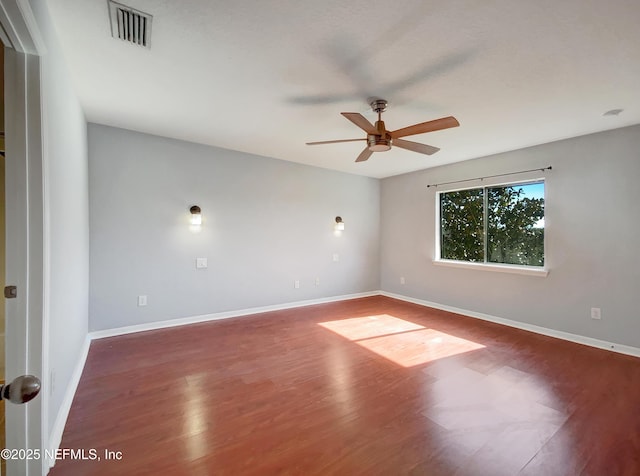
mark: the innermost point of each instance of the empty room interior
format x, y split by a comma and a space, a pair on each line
322, 238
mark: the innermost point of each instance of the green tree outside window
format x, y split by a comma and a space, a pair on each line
503, 224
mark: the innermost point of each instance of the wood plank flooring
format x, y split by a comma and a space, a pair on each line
371, 386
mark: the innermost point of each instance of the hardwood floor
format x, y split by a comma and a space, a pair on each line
369, 386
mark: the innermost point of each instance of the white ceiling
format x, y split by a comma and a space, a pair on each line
267, 76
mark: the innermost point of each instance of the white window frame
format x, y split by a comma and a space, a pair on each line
540, 271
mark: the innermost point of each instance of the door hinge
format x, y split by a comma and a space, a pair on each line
10, 292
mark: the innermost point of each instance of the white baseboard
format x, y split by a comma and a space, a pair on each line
61, 419
600, 344
150, 326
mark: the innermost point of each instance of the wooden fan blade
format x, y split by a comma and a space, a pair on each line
360, 121
429, 126
333, 141
415, 146
364, 155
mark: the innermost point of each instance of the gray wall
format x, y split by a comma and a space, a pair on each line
592, 230
267, 223
66, 212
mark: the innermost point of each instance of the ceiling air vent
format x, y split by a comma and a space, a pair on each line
129, 24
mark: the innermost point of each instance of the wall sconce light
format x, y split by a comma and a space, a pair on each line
196, 215
339, 226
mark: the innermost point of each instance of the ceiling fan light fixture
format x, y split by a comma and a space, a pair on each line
378, 144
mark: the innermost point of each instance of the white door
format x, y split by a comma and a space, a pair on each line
24, 228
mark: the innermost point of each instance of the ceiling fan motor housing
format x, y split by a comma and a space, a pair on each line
381, 141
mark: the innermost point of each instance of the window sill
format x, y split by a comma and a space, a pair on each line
500, 268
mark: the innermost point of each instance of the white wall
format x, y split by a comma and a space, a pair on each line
592, 230
66, 216
267, 223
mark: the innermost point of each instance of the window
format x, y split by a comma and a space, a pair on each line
495, 225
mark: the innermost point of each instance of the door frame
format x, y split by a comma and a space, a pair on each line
25, 229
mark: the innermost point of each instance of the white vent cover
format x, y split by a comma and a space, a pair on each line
129, 24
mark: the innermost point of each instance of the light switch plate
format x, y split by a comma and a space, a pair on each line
201, 263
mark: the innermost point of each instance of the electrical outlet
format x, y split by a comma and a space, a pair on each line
595, 313
402, 281
142, 300
317, 281
336, 257
296, 284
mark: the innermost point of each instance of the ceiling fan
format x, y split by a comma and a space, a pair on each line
379, 139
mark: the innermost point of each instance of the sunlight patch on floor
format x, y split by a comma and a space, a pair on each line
402, 342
